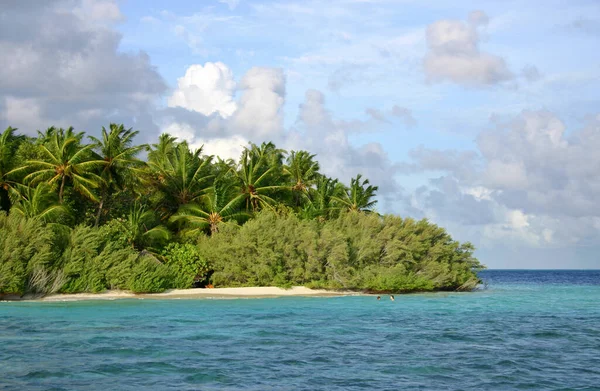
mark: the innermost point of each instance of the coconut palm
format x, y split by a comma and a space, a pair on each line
121, 163
161, 153
182, 176
321, 202
65, 160
8, 147
142, 228
303, 171
259, 175
359, 197
220, 205
39, 203
46, 136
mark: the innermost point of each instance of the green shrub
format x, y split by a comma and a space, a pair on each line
25, 247
185, 263
149, 276
354, 251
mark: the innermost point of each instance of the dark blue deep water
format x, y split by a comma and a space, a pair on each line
537, 330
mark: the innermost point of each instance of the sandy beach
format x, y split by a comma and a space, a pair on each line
246, 292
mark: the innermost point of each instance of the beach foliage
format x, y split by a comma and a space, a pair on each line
87, 217
356, 251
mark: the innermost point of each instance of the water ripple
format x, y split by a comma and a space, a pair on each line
511, 337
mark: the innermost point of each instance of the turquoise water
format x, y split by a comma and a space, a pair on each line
527, 330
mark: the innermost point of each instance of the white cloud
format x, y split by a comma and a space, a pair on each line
263, 93
531, 183
478, 18
505, 175
25, 112
224, 147
206, 89
454, 54
61, 66
317, 131
99, 11
222, 124
258, 117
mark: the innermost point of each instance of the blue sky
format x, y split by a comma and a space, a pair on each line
481, 116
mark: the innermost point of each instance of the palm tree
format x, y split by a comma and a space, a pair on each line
321, 202
8, 147
142, 227
121, 164
359, 197
161, 153
65, 160
46, 136
303, 171
39, 203
218, 206
259, 174
182, 176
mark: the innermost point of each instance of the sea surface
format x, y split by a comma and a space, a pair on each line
536, 330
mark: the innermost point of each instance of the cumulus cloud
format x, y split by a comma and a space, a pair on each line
263, 94
444, 200
454, 54
61, 65
228, 147
536, 183
317, 131
203, 110
204, 100
206, 89
257, 116
99, 10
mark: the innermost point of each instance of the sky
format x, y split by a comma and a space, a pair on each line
482, 116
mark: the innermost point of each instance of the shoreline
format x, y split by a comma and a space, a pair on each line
192, 293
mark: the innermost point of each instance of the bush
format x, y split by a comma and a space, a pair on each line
25, 247
271, 249
46, 259
149, 276
354, 251
97, 259
186, 265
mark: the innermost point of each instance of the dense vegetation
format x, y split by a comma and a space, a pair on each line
86, 217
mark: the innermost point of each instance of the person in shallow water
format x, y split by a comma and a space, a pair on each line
392, 298
378, 297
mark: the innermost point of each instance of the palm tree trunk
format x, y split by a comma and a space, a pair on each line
62, 189
100, 209
4, 200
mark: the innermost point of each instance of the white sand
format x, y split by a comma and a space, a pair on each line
195, 293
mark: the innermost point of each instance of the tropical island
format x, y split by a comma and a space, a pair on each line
86, 214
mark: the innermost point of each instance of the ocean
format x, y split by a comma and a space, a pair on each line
537, 330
